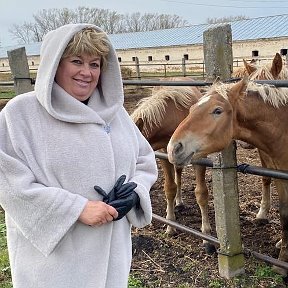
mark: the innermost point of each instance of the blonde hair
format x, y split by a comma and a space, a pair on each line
91, 42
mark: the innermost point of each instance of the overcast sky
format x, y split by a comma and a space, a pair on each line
194, 11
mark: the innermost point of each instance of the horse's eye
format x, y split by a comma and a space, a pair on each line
217, 111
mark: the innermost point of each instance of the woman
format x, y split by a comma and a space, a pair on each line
58, 142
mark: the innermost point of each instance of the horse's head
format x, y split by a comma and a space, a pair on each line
272, 71
209, 126
245, 70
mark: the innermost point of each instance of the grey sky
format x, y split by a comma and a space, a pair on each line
194, 11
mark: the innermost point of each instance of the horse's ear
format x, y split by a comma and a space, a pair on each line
277, 65
140, 124
250, 68
216, 80
238, 88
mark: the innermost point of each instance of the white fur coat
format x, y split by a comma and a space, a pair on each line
53, 150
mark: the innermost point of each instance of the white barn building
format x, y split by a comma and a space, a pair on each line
252, 38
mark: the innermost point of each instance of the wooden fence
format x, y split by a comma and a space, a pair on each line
138, 70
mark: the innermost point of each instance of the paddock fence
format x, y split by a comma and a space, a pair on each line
142, 70
193, 68
244, 168
231, 252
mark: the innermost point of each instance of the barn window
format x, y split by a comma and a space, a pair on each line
283, 52
3, 64
134, 59
32, 63
149, 58
186, 56
167, 57
255, 53
119, 59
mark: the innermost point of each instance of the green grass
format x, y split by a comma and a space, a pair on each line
262, 274
7, 94
5, 273
134, 282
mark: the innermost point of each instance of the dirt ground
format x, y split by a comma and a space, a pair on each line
180, 260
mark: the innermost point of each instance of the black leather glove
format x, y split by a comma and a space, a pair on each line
125, 190
124, 205
112, 194
122, 196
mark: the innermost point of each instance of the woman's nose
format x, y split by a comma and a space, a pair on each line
85, 70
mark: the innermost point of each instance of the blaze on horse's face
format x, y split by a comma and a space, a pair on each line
207, 129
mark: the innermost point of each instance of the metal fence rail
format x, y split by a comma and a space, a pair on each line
247, 252
276, 83
242, 168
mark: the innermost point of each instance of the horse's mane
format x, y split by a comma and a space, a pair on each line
264, 73
240, 73
261, 72
270, 94
151, 109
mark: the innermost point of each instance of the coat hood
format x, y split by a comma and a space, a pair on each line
103, 103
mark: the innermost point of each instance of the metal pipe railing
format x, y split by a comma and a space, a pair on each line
247, 252
276, 83
243, 168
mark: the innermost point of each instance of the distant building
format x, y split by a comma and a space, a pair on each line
252, 38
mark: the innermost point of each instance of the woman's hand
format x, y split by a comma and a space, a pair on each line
97, 213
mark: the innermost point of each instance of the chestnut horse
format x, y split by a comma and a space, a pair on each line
272, 71
157, 117
256, 114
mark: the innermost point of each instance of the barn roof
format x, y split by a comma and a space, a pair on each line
248, 29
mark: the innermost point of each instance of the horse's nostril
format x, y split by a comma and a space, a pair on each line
178, 148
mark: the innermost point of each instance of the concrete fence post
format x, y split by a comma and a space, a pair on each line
20, 70
218, 58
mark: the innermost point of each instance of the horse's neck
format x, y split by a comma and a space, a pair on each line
260, 124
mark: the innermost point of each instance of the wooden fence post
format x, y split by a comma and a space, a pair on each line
137, 67
183, 67
20, 70
218, 58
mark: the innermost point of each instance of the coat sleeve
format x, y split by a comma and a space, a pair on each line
145, 176
42, 214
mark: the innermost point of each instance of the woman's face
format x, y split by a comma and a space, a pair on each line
79, 75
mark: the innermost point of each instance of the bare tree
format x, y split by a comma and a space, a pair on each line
148, 22
225, 19
50, 19
110, 21
23, 33
133, 22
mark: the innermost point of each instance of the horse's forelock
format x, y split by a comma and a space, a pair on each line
262, 73
221, 89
